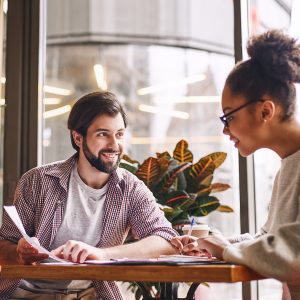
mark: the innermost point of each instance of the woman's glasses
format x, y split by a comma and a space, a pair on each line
224, 119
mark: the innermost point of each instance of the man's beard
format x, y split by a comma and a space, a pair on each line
97, 162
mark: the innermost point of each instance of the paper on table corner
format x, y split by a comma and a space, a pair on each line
13, 214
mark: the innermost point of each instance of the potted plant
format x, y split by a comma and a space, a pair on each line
182, 188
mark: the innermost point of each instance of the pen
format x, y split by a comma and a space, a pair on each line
191, 227
190, 232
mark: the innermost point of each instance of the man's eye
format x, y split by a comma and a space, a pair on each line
120, 134
101, 134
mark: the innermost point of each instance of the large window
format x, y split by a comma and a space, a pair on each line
268, 15
166, 63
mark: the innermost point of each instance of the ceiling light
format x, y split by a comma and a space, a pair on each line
100, 77
159, 111
5, 6
56, 112
52, 101
188, 99
57, 90
166, 85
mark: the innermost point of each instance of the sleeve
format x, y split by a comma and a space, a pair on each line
145, 216
23, 201
272, 255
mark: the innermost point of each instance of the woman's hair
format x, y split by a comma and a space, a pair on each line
272, 70
90, 106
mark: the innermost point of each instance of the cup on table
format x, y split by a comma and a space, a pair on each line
199, 230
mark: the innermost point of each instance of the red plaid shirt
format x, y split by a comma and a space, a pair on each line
40, 200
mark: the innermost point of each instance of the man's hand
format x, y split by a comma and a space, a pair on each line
214, 245
78, 252
27, 254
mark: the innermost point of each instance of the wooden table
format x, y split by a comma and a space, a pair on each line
169, 276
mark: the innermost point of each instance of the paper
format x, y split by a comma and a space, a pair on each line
188, 258
13, 214
170, 260
123, 261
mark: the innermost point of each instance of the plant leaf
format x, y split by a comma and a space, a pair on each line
148, 171
129, 167
186, 204
217, 157
225, 208
204, 167
177, 212
130, 160
206, 205
163, 163
165, 155
182, 153
204, 192
176, 197
168, 179
219, 187
205, 181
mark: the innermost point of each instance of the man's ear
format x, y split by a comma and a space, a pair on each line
77, 137
267, 110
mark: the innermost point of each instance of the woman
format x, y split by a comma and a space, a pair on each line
258, 102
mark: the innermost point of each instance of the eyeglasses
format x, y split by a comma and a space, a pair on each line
224, 119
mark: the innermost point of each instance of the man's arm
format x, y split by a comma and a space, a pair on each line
21, 253
149, 247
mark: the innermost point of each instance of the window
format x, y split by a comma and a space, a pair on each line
268, 15
167, 63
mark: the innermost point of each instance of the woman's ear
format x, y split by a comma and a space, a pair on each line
77, 137
267, 110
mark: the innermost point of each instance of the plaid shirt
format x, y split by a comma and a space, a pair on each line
40, 200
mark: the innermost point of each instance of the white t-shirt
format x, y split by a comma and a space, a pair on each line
82, 222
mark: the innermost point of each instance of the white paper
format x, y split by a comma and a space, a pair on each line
13, 214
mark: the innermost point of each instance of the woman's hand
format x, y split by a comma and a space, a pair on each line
181, 243
214, 245
78, 252
27, 254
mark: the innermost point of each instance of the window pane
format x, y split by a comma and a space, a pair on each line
271, 14
166, 65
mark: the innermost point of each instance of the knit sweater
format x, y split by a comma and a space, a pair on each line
276, 252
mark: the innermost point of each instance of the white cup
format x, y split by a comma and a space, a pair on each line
199, 230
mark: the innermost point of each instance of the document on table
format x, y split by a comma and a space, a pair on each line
189, 259
13, 214
162, 260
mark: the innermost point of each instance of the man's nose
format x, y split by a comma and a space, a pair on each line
113, 142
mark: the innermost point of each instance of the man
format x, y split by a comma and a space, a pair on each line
83, 208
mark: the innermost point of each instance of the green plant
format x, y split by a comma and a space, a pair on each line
181, 187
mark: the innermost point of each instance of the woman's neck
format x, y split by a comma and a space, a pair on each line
285, 138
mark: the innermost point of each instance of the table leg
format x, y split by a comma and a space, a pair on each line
169, 291
191, 292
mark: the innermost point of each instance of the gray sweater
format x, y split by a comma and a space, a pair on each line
275, 252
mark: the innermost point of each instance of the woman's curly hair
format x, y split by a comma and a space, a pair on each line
271, 70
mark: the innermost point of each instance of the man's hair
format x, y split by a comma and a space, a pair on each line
90, 106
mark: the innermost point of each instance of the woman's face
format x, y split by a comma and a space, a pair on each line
243, 125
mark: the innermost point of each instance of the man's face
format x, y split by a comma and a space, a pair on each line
103, 144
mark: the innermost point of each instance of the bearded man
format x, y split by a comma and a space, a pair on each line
82, 208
